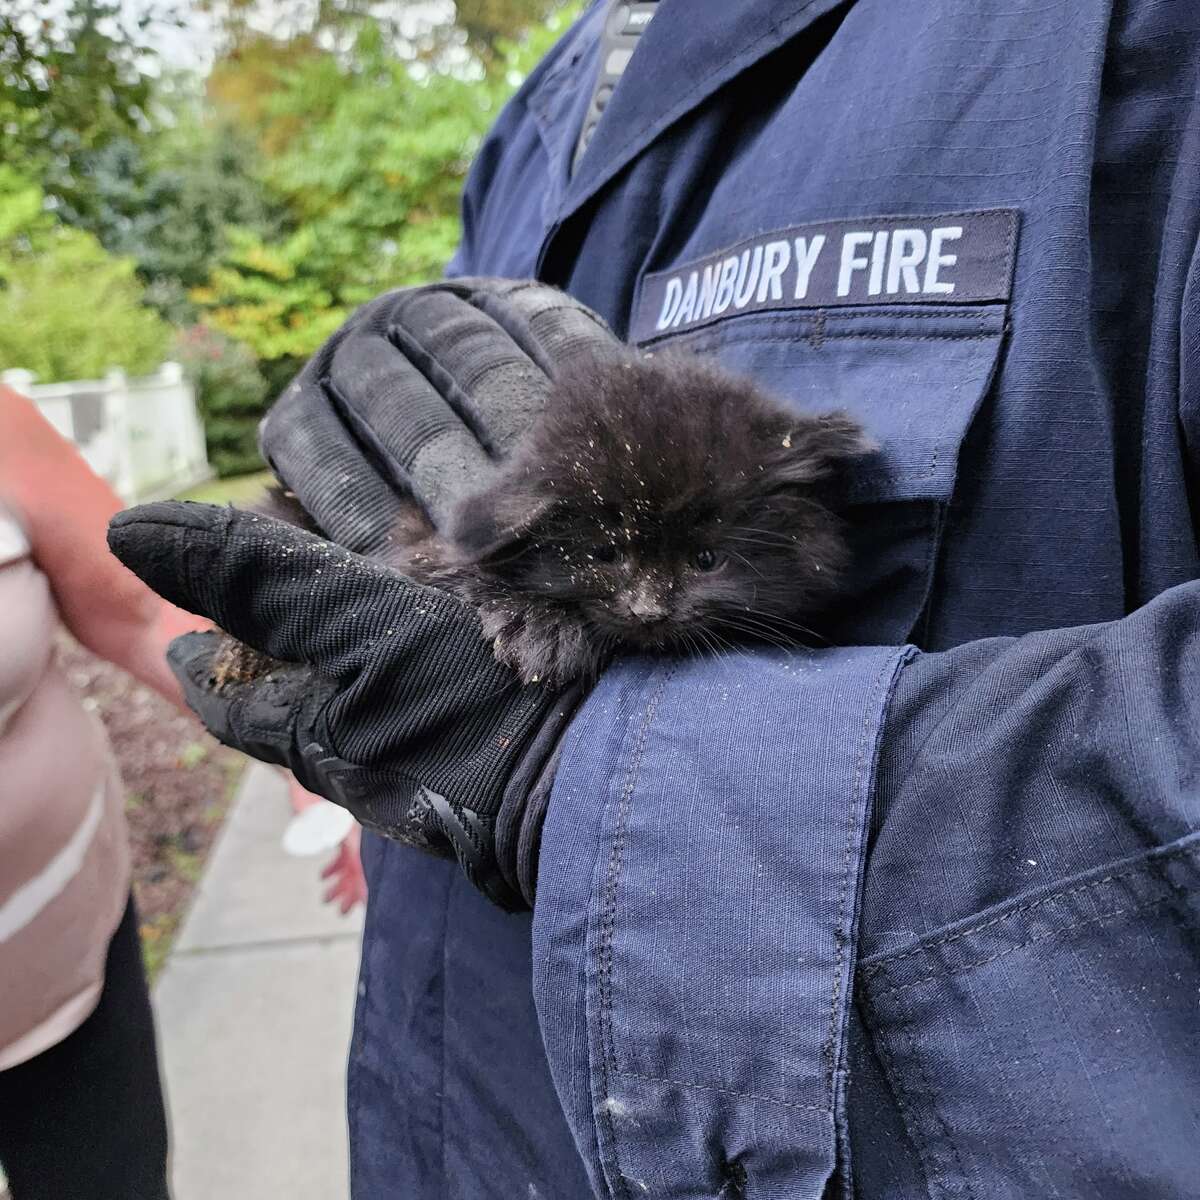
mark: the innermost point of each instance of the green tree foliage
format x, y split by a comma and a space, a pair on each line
70, 84
121, 148
68, 309
318, 163
244, 82
371, 180
169, 205
23, 217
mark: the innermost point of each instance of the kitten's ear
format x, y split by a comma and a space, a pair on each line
808, 449
496, 520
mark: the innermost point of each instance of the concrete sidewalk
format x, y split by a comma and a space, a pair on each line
254, 1009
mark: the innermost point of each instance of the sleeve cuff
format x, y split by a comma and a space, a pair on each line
697, 910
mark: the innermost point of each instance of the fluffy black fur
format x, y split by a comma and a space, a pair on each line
658, 504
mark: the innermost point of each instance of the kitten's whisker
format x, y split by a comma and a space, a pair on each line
746, 621
757, 542
758, 639
748, 563
779, 620
724, 647
772, 533
693, 644
759, 631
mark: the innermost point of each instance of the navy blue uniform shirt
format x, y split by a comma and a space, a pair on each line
916, 915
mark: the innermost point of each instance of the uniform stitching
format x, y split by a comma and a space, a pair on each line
1010, 251
817, 337
937, 535
907, 1116
701, 1087
847, 335
608, 1059
973, 311
931, 1105
822, 317
1099, 918
907, 1109
957, 314
840, 932
1140, 868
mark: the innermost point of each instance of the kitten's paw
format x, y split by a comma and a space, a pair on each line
544, 648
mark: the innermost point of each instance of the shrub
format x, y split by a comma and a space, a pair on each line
70, 310
231, 393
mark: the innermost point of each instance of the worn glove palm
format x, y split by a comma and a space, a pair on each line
394, 705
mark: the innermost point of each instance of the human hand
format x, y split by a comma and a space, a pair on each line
348, 886
64, 508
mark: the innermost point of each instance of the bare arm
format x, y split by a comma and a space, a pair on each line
65, 508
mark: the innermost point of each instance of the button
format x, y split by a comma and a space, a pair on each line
602, 97
617, 61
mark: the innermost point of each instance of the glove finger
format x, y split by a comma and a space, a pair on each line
285, 592
553, 328
314, 455
404, 410
499, 384
414, 393
351, 496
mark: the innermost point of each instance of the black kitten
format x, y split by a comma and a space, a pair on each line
658, 504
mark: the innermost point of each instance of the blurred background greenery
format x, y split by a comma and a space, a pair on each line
229, 213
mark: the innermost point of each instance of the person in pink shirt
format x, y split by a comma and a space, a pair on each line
81, 1105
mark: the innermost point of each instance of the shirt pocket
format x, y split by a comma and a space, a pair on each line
1050, 1045
915, 379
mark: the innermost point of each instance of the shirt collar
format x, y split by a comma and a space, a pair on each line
690, 50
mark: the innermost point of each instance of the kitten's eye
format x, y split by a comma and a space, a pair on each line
706, 560
605, 552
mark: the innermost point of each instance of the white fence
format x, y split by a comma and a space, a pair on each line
143, 435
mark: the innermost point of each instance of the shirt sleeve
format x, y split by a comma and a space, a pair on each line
697, 904
700, 891
731, 842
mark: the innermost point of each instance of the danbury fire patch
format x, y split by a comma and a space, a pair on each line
954, 258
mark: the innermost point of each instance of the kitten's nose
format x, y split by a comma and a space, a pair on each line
646, 607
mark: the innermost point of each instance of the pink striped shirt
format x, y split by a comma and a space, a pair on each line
64, 856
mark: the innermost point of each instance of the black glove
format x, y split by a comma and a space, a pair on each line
395, 707
416, 395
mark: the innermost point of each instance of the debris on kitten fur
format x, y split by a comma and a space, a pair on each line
658, 504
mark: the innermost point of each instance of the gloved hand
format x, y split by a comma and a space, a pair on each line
416, 395
395, 707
